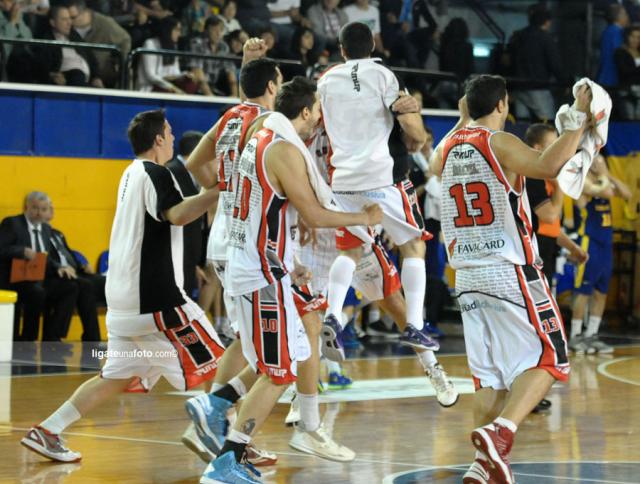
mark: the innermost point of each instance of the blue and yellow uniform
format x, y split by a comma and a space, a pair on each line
596, 236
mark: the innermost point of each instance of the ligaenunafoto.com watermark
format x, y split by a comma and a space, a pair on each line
133, 353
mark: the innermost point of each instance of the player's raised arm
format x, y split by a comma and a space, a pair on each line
285, 162
516, 156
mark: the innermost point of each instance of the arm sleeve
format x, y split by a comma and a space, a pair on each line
160, 192
537, 193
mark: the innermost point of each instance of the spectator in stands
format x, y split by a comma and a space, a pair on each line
611, 40
536, 58
35, 13
141, 29
154, 9
194, 16
162, 73
65, 66
228, 17
18, 58
220, 75
627, 60
327, 18
285, 15
253, 15
192, 233
90, 286
302, 49
235, 40
362, 11
270, 37
97, 28
456, 55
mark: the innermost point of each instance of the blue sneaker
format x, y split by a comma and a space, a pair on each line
226, 469
209, 415
433, 331
418, 339
331, 334
350, 337
338, 381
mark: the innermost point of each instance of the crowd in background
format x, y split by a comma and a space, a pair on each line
407, 33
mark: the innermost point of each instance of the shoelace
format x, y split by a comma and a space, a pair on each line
441, 382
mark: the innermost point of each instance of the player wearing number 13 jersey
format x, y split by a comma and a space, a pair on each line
514, 335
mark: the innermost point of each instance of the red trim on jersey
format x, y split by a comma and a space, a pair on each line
345, 240
265, 137
257, 327
183, 315
282, 233
285, 357
527, 236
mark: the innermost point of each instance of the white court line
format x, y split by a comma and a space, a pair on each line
602, 369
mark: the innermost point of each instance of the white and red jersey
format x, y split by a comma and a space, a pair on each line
356, 99
230, 138
260, 241
484, 219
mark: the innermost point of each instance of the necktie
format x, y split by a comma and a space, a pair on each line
36, 232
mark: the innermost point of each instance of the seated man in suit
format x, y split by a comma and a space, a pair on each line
90, 286
21, 237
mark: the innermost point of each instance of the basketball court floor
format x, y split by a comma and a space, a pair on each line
389, 417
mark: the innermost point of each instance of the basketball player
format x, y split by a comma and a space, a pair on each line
596, 235
273, 185
357, 104
260, 80
154, 328
514, 335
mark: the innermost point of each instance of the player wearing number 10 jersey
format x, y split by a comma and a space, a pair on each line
514, 336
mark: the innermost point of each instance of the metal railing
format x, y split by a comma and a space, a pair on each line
61, 43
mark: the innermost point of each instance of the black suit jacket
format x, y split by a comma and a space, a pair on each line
14, 238
59, 240
193, 253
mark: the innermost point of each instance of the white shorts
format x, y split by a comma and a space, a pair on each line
511, 324
376, 276
185, 355
272, 334
402, 218
219, 266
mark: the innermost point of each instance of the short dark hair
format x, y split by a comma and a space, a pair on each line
144, 128
295, 95
188, 142
483, 93
538, 15
255, 76
536, 132
211, 21
54, 10
628, 31
614, 12
356, 40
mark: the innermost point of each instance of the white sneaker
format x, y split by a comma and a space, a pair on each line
320, 444
192, 442
595, 345
446, 392
577, 345
293, 417
49, 445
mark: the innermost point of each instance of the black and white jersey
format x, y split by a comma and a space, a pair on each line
145, 253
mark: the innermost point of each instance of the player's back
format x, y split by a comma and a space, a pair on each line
356, 100
594, 220
484, 220
145, 251
260, 241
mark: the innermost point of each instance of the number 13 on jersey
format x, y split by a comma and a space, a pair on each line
480, 197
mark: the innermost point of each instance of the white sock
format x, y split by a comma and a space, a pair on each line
309, 412
340, 276
333, 367
61, 418
215, 387
427, 359
576, 327
592, 326
374, 315
414, 284
506, 423
238, 385
238, 437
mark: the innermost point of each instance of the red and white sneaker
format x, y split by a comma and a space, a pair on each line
259, 457
49, 445
478, 473
495, 442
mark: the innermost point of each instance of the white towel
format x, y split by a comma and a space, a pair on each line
574, 172
282, 126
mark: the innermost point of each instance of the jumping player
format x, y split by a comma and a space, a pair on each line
152, 324
514, 334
